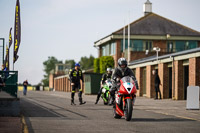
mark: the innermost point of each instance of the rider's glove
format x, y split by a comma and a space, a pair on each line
136, 85
135, 81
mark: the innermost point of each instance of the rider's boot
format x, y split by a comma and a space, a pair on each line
81, 102
111, 100
97, 99
72, 102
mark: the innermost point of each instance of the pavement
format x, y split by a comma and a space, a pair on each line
9, 124
51, 112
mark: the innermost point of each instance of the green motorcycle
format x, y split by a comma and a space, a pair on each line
105, 95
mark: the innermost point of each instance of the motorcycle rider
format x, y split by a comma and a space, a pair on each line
105, 76
121, 71
75, 77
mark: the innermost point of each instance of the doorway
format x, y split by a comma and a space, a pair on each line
144, 82
170, 82
185, 80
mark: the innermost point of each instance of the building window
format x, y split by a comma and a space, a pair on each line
185, 45
137, 45
148, 45
180, 46
103, 51
60, 68
112, 48
109, 49
122, 45
191, 44
170, 46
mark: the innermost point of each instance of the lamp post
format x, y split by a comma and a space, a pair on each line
157, 49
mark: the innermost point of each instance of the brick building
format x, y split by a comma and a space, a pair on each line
178, 58
176, 72
151, 30
60, 70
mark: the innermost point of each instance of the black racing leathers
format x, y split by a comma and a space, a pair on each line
117, 75
75, 77
104, 78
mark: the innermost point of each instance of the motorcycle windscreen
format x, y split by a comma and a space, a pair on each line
127, 86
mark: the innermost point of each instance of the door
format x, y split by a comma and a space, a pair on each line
186, 80
170, 82
144, 82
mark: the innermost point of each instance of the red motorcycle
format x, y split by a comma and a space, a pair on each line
126, 94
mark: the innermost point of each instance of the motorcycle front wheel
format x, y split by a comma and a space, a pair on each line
128, 110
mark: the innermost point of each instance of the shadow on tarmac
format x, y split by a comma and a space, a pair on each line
159, 120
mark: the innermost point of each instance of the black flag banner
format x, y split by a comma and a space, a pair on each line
17, 31
10, 38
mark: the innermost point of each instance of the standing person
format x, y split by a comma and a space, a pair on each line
25, 84
105, 76
75, 77
157, 84
2, 84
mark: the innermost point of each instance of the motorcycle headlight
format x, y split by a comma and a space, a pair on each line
103, 90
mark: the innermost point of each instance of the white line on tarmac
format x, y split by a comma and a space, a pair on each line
173, 115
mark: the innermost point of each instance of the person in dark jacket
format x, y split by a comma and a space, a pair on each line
75, 77
2, 84
105, 76
121, 71
25, 84
157, 84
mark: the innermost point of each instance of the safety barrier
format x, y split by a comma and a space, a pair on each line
10, 78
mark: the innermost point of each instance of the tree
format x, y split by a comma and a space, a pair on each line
48, 66
70, 62
87, 63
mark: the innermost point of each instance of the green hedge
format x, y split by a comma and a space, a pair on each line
96, 65
102, 63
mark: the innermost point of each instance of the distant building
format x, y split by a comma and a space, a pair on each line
60, 70
151, 30
178, 59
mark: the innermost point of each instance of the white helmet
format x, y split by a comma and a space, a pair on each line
109, 69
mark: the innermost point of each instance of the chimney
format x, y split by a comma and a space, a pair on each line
147, 7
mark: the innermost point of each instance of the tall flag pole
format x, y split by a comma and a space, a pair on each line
17, 32
129, 54
124, 30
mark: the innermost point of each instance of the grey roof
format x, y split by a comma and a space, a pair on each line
153, 58
153, 24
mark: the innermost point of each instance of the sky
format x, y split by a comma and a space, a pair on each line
67, 29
